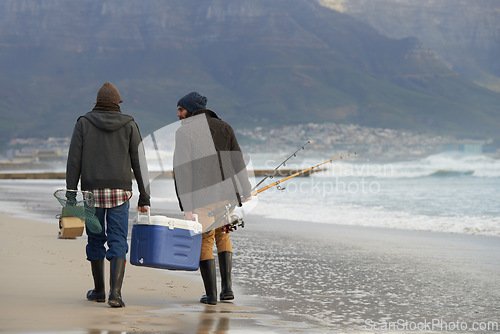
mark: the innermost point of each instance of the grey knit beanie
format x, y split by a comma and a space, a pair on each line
192, 102
108, 93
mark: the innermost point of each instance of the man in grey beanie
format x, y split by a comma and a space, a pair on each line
104, 149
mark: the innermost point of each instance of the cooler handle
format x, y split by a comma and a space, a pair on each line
148, 210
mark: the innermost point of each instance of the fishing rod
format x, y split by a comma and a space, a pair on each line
294, 154
277, 183
270, 175
228, 208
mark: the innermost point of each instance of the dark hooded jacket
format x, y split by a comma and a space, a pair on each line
208, 163
105, 147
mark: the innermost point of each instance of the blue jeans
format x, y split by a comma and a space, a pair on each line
115, 234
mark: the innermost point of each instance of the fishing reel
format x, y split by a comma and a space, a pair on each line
235, 222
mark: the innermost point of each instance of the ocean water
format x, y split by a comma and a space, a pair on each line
446, 193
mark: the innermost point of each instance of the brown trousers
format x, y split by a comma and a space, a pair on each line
207, 242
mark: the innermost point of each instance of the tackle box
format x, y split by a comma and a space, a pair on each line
70, 227
70, 223
165, 243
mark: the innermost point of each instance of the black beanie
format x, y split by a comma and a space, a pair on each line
192, 102
108, 93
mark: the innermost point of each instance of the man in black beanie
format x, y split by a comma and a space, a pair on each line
209, 172
104, 149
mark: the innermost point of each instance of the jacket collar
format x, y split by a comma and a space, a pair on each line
207, 112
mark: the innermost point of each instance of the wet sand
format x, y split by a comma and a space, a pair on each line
350, 279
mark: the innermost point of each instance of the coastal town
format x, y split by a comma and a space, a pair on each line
374, 144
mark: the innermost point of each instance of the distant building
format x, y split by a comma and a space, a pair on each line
468, 148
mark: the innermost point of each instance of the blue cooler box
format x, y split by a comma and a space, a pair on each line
165, 243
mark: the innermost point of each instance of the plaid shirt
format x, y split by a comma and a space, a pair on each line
109, 198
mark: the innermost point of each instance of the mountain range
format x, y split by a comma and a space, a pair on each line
462, 33
259, 62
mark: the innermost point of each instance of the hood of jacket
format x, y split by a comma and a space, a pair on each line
108, 121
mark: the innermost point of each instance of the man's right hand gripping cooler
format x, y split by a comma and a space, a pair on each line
165, 243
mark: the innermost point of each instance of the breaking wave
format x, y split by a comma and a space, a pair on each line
439, 165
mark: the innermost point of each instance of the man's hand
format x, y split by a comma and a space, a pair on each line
227, 228
143, 209
188, 215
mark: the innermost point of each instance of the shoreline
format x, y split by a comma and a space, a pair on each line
48, 175
39, 205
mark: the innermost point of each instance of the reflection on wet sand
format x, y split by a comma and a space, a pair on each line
213, 321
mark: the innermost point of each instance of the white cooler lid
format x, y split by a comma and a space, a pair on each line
171, 223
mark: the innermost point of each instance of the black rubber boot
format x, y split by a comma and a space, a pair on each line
99, 293
207, 268
225, 260
117, 272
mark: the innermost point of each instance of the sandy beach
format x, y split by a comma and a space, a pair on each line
380, 277
44, 281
